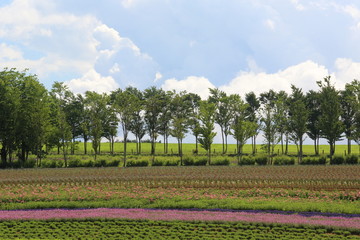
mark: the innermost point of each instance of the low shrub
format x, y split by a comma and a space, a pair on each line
335, 160
157, 163
74, 163
352, 159
284, 160
45, 163
171, 163
313, 161
30, 163
247, 160
89, 163
138, 163
201, 162
261, 160
221, 162
188, 161
100, 163
113, 163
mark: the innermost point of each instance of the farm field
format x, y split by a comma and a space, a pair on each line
329, 190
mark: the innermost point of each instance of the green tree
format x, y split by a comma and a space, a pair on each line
181, 111
165, 117
194, 125
330, 125
223, 113
97, 105
242, 129
74, 110
207, 119
348, 103
252, 112
282, 112
9, 105
354, 100
298, 117
126, 105
153, 109
269, 120
61, 96
137, 124
313, 105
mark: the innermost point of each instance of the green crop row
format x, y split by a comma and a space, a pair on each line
135, 229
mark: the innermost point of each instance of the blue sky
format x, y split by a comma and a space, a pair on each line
236, 45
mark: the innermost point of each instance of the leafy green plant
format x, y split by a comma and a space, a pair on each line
138, 163
221, 162
157, 162
352, 159
188, 161
313, 161
247, 160
337, 160
261, 160
200, 162
284, 160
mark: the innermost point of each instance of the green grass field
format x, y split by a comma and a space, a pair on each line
188, 148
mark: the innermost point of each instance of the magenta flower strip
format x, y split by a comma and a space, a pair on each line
182, 215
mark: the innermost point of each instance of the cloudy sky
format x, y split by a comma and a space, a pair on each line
236, 45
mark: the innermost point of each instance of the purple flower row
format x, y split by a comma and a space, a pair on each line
184, 215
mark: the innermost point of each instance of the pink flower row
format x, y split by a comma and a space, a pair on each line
183, 215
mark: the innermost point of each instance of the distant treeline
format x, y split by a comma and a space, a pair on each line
33, 119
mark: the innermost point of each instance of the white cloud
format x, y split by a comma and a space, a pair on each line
67, 44
193, 84
303, 75
9, 52
92, 81
270, 24
298, 5
346, 71
158, 76
115, 68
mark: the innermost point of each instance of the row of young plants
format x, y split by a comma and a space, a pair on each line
147, 229
88, 161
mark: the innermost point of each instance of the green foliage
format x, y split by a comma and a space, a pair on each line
200, 162
330, 124
150, 229
157, 162
188, 161
351, 159
284, 160
221, 162
261, 160
137, 163
247, 160
337, 160
313, 161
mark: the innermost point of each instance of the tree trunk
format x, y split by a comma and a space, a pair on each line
196, 145
3, 156
226, 143
300, 151
125, 148
223, 142
209, 155
349, 146
85, 146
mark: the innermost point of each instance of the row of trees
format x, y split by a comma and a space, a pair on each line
32, 117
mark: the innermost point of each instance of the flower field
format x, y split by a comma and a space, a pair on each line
271, 194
